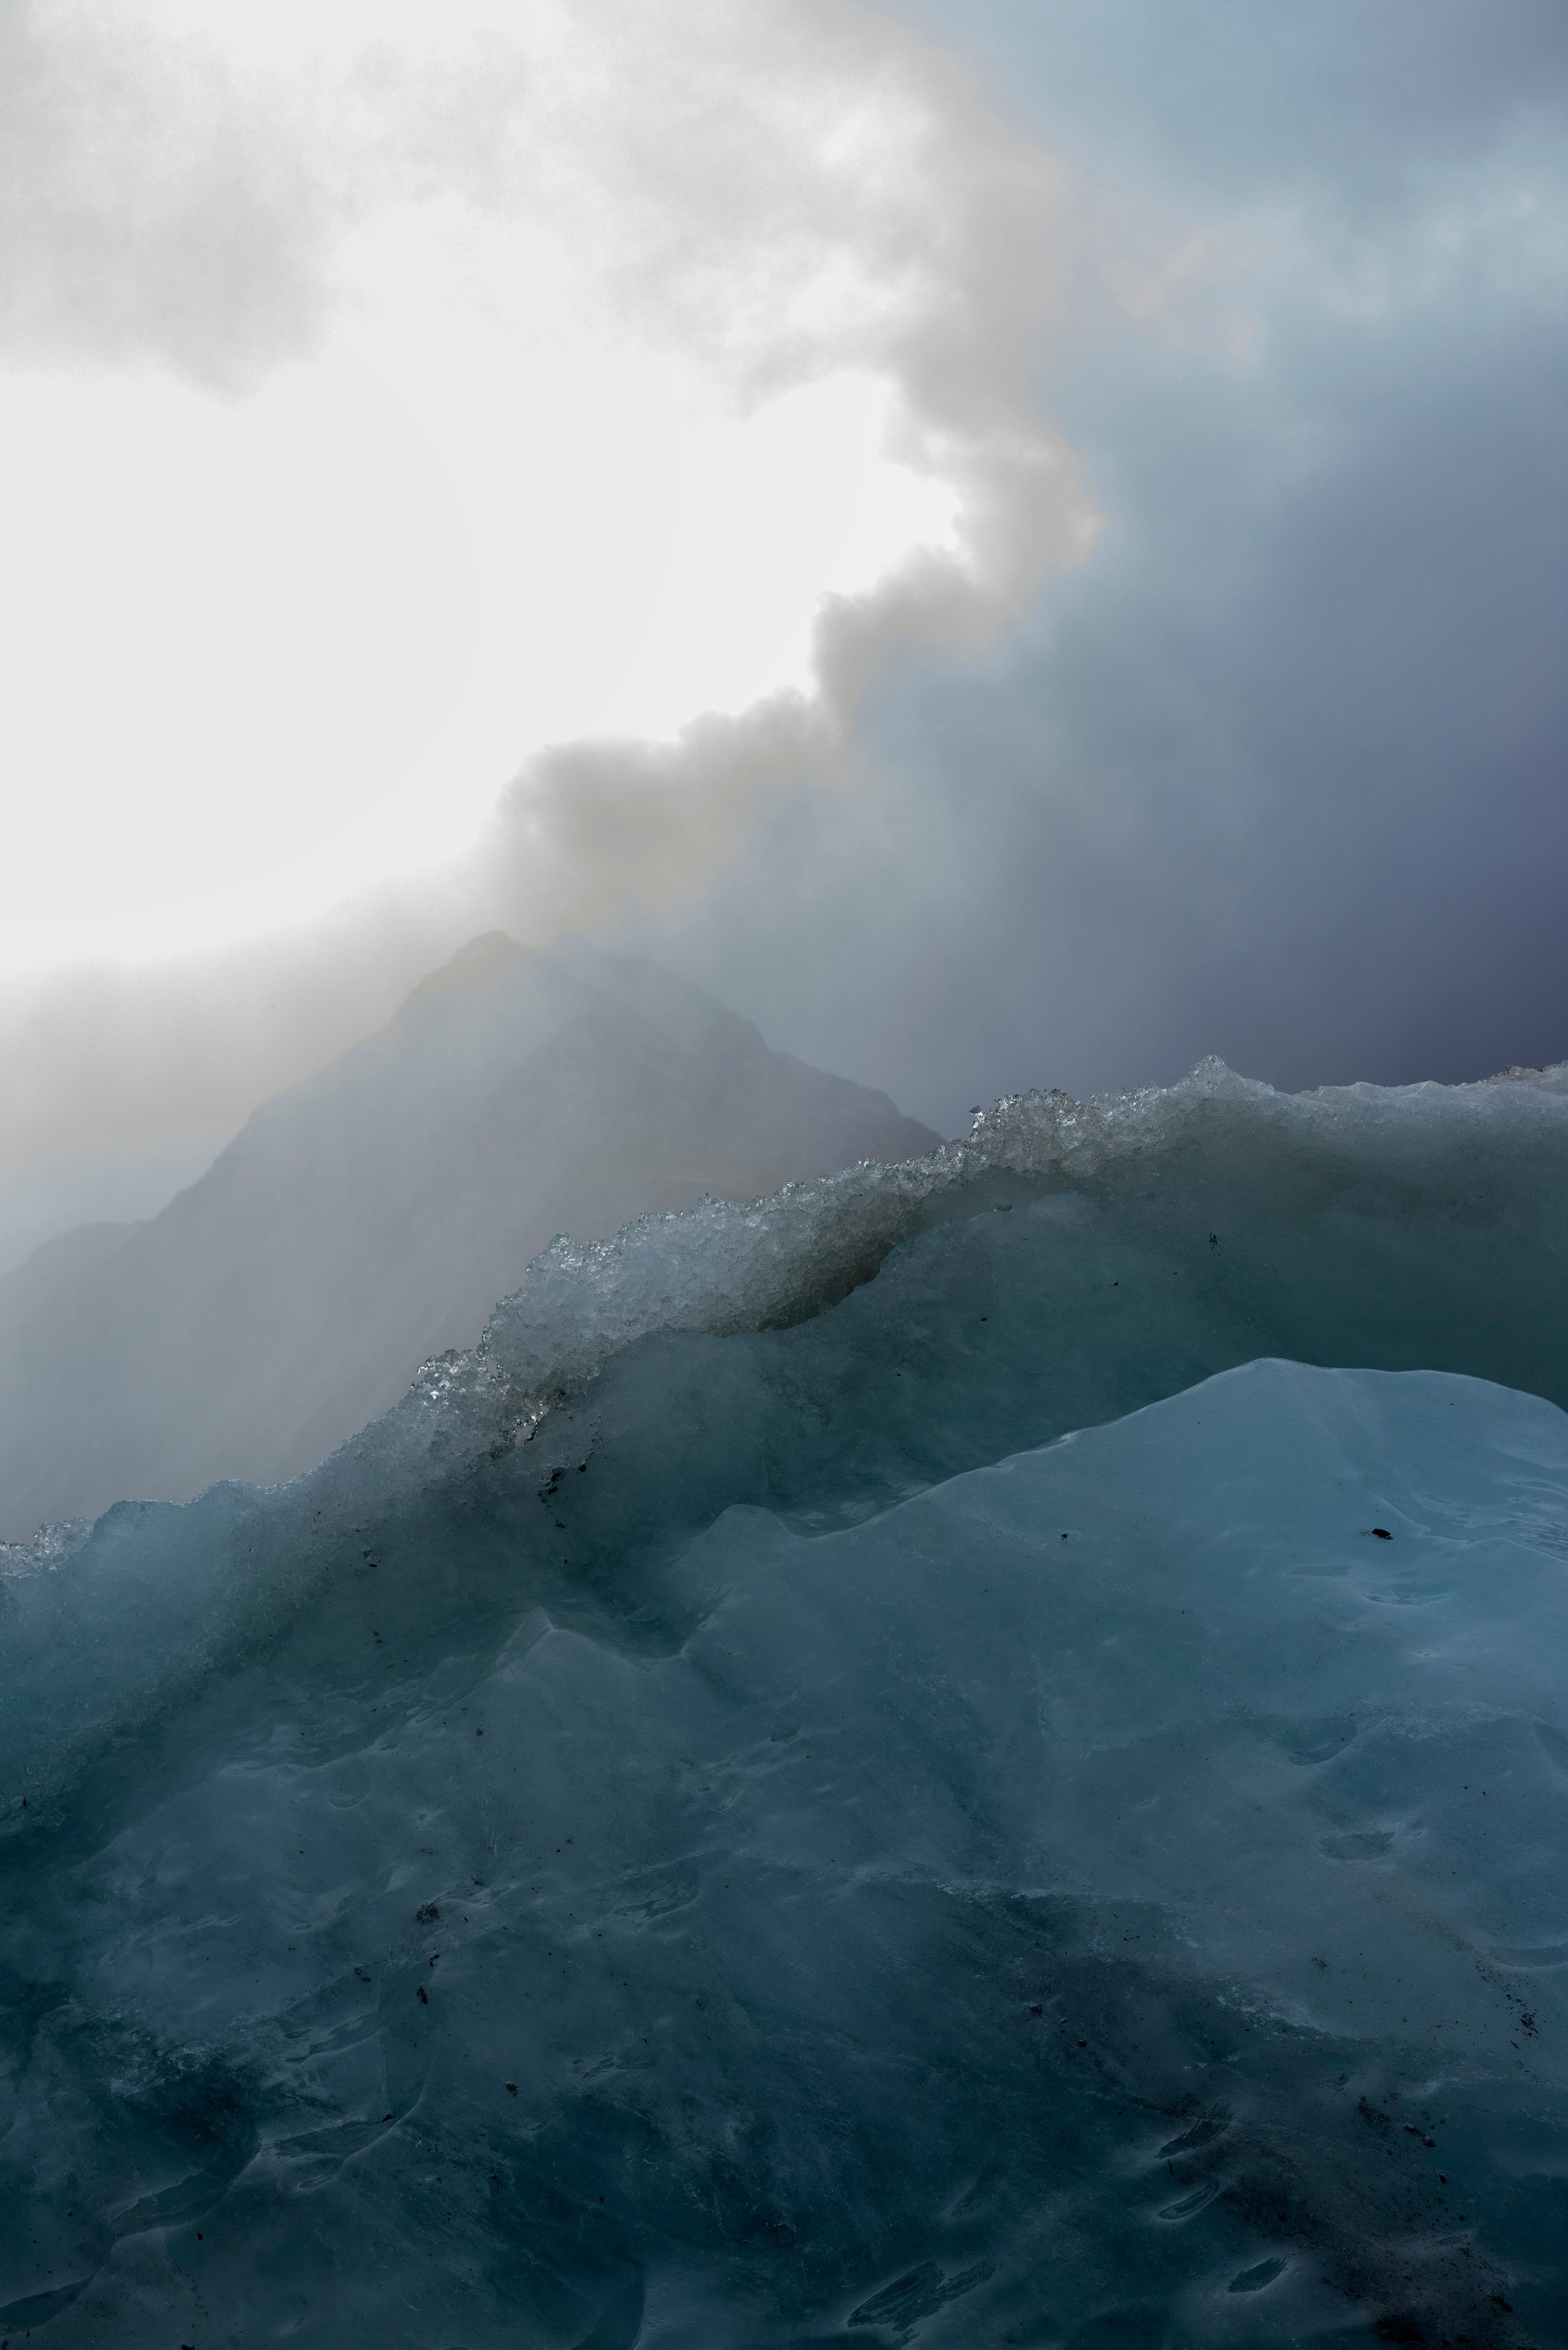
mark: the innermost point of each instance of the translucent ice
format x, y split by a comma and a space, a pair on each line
692, 1833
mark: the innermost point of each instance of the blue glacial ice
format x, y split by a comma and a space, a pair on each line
920, 1762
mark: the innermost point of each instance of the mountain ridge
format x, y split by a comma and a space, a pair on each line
370, 1216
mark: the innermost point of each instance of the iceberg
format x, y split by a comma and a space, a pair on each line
976, 1752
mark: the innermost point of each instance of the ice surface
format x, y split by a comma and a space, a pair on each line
1113, 1896
697, 1833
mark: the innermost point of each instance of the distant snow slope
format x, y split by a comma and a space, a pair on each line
371, 1216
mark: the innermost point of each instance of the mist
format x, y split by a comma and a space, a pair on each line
1276, 774
824, 236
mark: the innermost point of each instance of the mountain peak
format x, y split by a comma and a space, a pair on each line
474, 965
374, 1213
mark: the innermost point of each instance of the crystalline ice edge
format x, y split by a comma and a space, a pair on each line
930, 1882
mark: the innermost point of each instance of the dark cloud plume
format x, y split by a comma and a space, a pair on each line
1279, 774
1359, 98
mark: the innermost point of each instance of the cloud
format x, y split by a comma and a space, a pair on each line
148, 209
800, 216
1278, 775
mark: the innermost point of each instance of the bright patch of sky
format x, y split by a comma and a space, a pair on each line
559, 457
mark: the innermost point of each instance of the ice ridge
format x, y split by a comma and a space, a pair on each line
915, 1760
1400, 1227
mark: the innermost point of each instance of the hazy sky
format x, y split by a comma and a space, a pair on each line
1283, 771
1018, 542
391, 394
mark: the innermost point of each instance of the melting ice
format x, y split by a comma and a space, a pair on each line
974, 1753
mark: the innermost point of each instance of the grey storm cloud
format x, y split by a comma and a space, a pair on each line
1281, 772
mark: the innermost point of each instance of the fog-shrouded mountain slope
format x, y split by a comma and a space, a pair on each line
371, 1216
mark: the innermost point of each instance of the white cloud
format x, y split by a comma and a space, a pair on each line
393, 394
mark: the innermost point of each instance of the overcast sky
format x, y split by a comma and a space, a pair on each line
1281, 772
1019, 543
